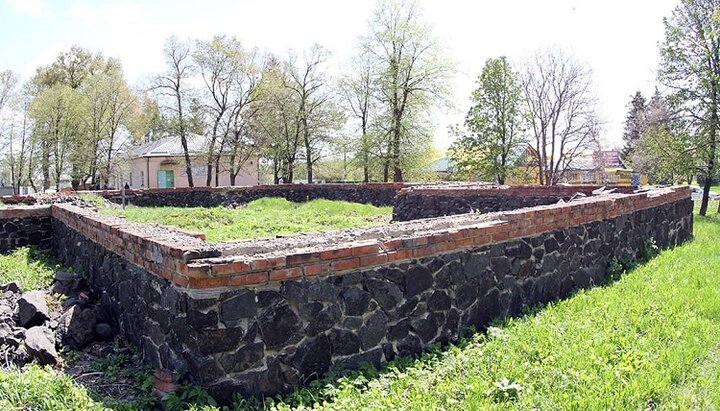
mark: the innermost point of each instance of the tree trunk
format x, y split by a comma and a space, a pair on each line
712, 150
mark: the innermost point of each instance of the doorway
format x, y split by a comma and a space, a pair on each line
166, 179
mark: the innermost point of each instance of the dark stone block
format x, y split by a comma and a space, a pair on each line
278, 326
310, 310
409, 346
344, 342
246, 357
353, 323
202, 320
417, 280
322, 291
551, 245
439, 301
267, 298
394, 274
476, 264
519, 249
323, 321
466, 294
386, 294
500, 266
373, 331
238, 306
356, 301
426, 328
313, 358
399, 330
372, 357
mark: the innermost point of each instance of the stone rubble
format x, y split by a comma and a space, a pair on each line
33, 330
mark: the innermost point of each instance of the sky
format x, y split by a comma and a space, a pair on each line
617, 39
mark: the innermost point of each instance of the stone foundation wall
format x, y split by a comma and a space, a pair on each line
413, 203
378, 194
262, 321
24, 226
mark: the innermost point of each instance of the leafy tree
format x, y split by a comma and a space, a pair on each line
57, 115
413, 76
665, 150
634, 125
491, 141
690, 67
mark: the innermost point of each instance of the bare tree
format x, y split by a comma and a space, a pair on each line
173, 88
561, 111
358, 90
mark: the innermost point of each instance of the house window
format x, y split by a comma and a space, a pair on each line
142, 179
131, 182
200, 171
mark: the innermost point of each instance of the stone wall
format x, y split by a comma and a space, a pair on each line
378, 194
260, 318
23, 226
413, 203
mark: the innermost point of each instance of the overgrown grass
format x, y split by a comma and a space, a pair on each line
37, 388
260, 218
31, 268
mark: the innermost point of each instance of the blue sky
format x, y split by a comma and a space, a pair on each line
617, 38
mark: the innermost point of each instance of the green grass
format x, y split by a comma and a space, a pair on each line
37, 388
29, 267
649, 341
260, 218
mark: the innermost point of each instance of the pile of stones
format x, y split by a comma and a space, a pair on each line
35, 325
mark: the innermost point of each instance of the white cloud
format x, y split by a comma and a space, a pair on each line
32, 7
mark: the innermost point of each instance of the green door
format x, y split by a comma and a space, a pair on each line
166, 179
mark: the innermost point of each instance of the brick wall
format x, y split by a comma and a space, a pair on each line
378, 194
417, 202
23, 226
263, 321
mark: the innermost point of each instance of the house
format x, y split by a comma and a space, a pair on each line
601, 167
161, 164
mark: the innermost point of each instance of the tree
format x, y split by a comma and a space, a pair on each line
73, 67
634, 125
413, 75
174, 93
690, 68
56, 112
220, 61
665, 150
492, 139
358, 89
8, 82
317, 114
560, 110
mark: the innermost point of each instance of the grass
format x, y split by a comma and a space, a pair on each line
260, 218
30, 267
37, 388
650, 340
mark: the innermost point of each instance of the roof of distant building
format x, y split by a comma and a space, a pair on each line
170, 146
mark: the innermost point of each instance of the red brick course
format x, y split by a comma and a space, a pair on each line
167, 260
